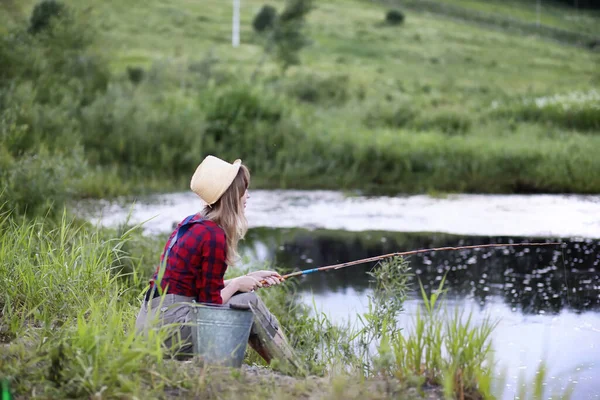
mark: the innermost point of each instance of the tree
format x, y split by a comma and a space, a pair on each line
43, 13
264, 19
284, 37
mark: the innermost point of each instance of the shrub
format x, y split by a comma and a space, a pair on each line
26, 125
135, 74
231, 111
40, 183
394, 17
130, 129
265, 18
42, 14
58, 60
317, 89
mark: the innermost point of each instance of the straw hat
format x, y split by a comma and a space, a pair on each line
212, 178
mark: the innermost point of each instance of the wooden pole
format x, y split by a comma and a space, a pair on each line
235, 29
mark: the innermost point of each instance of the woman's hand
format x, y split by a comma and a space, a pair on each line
270, 278
247, 283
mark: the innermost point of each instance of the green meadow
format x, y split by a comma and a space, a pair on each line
551, 13
128, 96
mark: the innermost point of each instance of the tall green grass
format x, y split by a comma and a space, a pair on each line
68, 312
72, 293
449, 351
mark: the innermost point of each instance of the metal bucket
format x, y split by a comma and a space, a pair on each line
221, 334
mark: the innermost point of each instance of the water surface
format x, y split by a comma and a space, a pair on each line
493, 215
546, 299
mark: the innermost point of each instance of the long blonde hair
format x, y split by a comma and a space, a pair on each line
228, 213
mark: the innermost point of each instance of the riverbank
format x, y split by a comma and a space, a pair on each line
430, 106
72, 294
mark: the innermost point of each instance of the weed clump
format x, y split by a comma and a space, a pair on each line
394, 17
578, 111
315, 89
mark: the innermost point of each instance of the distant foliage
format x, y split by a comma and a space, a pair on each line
41, 183
265, 18
402, 116
450, 122
285, 38
578, 110
42, 13
231, 111
592, 4
289, 34
135, 74
311, 88
394, 17
137, 130
409, 116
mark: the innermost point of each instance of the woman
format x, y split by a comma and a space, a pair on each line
196, 257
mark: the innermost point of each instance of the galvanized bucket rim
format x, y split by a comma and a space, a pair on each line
222, 306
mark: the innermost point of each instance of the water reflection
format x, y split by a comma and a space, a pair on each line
529, 279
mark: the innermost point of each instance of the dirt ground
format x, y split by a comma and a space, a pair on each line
255, 382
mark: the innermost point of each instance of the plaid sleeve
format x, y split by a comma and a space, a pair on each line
213, 267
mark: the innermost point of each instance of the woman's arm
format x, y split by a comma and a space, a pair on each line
242, 284
231, 287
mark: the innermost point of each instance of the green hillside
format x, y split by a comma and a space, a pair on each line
551, 13
434, 104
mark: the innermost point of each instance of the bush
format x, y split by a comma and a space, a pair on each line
315, 89
132, 130
135, 74
394, 17
264, 19
42, 13
57, 60
231, 111
40, 183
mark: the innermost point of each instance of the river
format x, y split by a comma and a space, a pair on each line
546, 299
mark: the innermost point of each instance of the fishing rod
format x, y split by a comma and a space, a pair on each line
407, 253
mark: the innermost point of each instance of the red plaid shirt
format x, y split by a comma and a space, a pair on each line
196, 263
